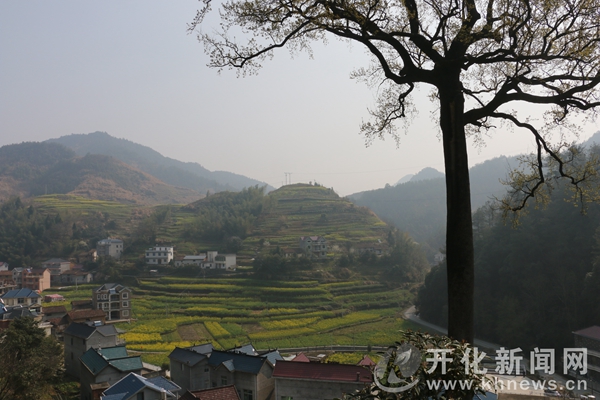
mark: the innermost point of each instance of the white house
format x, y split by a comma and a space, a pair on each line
210, 260
159, 255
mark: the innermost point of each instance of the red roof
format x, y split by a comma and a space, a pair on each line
323, 372
593, 332
366, 361
219, 393
300, 357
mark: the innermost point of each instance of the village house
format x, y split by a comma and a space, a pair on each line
209, 260
189, 366
104, 366
134, 387
307, 380
314, 246
53, 312
80, 337
109, 248
114, 299
37, 279
251, 375
3, 266
83, 316
22, 297
76, 277
159, 255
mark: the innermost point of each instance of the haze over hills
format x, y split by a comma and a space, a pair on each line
33, 169
419, 205
177, 173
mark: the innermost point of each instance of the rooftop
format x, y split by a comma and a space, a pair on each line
19, 294
322, 372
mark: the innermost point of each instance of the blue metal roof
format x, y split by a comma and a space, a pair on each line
239, 362
186, 356
134, 383
19, 294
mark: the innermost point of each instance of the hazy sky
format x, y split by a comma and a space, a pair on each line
130, 69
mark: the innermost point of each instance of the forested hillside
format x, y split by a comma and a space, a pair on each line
536, 283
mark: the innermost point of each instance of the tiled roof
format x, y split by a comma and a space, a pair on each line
55, 260
273, 356
79, 330
19, 294
113, 352
205, 348
133, 383
366, 361
133, 363
593, 332
301, 357
93, 361
186, 356
96, 361
245, 349
81, 302
54, 309
86, 314
319, 371
219, 393
238, 362
85, 331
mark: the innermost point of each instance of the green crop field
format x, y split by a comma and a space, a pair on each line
231, 312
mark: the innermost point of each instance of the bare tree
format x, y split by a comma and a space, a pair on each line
483, 60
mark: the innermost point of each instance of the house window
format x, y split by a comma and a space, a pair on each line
125, 313
125, 295
140, 396
206, 369
98, 297
287, 398
71, 345
247, 395
223, 381
125, 304
21, 301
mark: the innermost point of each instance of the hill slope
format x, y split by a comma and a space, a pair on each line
184, 174
33, 169
419, 207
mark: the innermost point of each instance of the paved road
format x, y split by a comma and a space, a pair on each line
410, 314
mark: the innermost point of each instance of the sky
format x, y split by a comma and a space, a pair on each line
129, 68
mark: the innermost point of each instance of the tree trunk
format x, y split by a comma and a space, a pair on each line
459, 228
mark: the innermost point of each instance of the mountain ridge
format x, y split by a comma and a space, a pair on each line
189, 175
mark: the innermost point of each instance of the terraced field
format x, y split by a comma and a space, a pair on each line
173, 312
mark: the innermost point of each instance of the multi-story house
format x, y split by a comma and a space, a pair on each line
79, 338
114, 299
159, 255
35, 279
314, 246
189, 366
134, 387
56, 266
109, 248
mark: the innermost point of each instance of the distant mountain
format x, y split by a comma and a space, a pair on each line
184, 174
419, 206
405, 178
33, 169
426, 174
